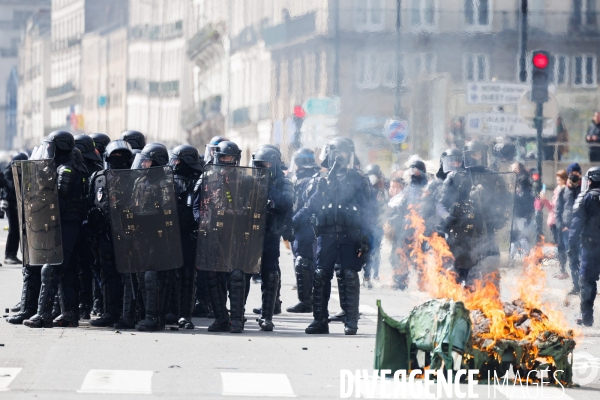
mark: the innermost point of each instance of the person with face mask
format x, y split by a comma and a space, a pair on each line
584, 238
117, 156
340, 204
59, 146
379, 189
564, 216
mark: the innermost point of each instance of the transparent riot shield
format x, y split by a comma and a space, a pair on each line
233, 211
492, 201
144, 219
39, 214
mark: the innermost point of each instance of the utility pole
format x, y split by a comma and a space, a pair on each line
523, 42
399, 77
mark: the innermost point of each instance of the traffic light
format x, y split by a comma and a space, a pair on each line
299, 115
540, 76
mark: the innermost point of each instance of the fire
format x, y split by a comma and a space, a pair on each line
506, 320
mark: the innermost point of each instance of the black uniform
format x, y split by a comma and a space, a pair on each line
71, 191
12, 241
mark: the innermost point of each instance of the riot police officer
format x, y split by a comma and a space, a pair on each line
136, 139
101, 140
117, 155
187, 169
475, 203
279, 206
584, 237
304, 167
82, 259
59, 146
340, 205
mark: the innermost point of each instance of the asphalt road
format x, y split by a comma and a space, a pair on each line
87, 362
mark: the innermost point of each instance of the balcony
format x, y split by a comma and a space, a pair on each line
246, 38
60, 90
206, 43
156, 32
153, 88
195, 116
290, 30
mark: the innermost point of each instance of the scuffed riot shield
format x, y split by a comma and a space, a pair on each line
492, 198
232, 218
144, 219
39, 214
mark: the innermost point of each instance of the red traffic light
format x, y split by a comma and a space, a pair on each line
299, 112
541, 60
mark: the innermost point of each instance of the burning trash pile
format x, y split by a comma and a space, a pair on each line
471, 327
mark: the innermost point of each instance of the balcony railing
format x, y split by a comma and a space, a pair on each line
201, 40
290, 30
153, 88
246, 38
156, 32
60, 90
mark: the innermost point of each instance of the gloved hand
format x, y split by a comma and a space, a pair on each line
363, 246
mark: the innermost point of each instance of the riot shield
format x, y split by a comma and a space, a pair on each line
233, 212
144, 219
492, 200
39, 214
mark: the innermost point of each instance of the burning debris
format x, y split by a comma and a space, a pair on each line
471, 327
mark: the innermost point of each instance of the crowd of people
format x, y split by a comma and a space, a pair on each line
144, 237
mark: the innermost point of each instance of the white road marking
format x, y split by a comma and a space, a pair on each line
7, 375
117, 382
256, 384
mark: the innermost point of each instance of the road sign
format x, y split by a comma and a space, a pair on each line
396, 130
322, 106
495, 93
502, 124
527, 107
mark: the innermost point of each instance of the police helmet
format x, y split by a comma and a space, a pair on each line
451, 160
267, 157
185, 155
118, 154
373, 169
417, 166
475, 154
136, 139
152, 155
304, 157
57, 143
20, 156
100, 141
209, 150
227, 153
88, 150
338, 149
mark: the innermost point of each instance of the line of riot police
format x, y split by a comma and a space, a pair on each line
143, 237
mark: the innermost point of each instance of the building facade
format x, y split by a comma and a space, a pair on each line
33, 113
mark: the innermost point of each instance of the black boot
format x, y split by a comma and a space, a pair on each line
174, 299
218, 300
43, 318
85, 311
269, 299
352, 288
340, 316
16, 307
67, 318
304, 283
188, 296
97, 305
128, 319
237, 297
112, 303
321, 293
29, 295
202, 307
151, 322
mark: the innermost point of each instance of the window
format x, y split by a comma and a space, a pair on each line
423, 13
477, 13
368, 15
561, 70
584, 13
424, 64
476, 68
584, 70
373, 70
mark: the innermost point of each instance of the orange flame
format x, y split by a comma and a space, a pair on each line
436, 279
